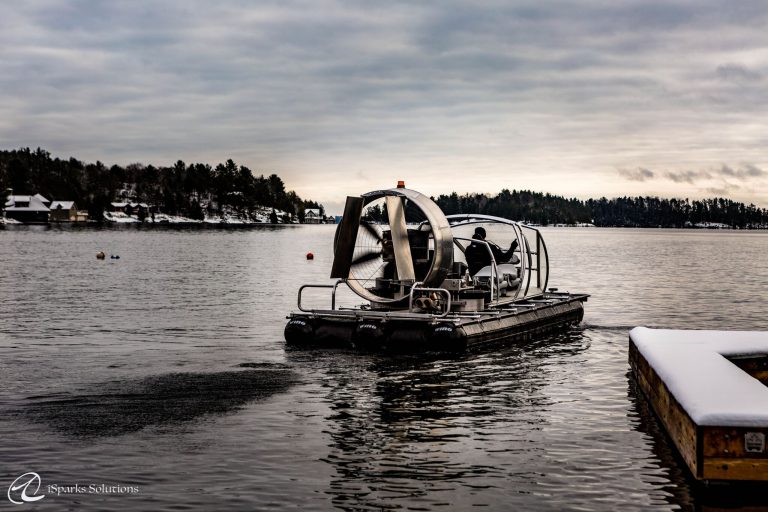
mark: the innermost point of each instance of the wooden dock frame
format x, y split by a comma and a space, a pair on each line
710, 452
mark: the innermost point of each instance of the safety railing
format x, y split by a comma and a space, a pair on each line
534, 258
494, 268
333, 286
417, 288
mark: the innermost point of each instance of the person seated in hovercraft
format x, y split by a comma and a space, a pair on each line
478, 256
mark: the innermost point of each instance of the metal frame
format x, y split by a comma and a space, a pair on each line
356, 312
526, 251
494, 268
416, 287
441, 236
452, 316
333, 294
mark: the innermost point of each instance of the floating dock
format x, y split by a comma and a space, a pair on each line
710, 391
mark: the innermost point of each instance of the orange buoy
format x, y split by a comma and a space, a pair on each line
310, 256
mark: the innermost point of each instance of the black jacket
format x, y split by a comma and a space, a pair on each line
478, 257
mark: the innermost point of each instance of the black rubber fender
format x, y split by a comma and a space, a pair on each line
370, 334
447, 336
299, 331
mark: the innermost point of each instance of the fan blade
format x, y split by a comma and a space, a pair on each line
400, 243
346, 236
372, 229
365, 258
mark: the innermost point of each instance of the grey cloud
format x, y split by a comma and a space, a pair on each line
687, 176
725, 190
753, 170
737, 73
743, 173
639, 174
288, 83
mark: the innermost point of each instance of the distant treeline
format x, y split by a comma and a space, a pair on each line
183, 189
547, 209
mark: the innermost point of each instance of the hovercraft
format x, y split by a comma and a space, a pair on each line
430, 282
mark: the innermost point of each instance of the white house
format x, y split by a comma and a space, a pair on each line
313, 216
27, 209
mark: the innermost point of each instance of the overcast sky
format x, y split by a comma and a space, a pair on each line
581, 99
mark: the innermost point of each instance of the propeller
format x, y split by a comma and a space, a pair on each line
365, 258
346, 240
379, 248
346, 235
400, 243
374, 246
373, 229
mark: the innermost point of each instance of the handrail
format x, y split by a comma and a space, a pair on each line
416, 287
527, 264
334, 286
530, 265
494, 268
394, 315
543, 249
521, 242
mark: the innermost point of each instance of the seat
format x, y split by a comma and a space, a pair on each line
508, 276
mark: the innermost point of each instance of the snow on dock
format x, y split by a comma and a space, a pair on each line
708, 388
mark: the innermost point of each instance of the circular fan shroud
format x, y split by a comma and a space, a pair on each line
441, 259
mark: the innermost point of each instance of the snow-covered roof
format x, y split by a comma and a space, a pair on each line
312, 211
132, 205
41, 198
35, 204
65, 205
694, 366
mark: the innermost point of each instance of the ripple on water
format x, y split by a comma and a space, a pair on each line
92, 388
175, 398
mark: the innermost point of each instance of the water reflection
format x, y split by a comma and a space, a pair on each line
119, 408
684, 490
402, 428
547, 426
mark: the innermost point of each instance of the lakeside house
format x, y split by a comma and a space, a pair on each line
37, 209
313, 216
128, 207
711, 225
66, 211
27, 209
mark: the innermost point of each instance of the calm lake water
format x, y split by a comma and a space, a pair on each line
165, 374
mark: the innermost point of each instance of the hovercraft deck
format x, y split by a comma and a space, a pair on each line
506, 324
